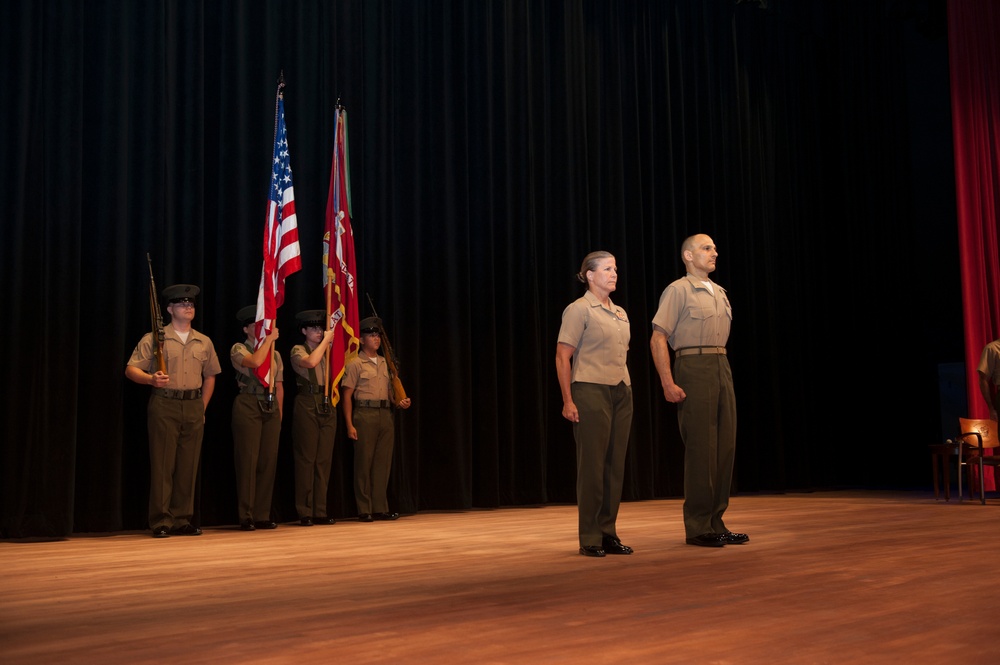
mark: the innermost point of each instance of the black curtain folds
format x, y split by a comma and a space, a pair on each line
492, 146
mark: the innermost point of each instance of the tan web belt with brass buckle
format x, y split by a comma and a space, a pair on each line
700, 351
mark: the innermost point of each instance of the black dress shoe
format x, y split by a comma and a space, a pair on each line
730, 538
306, 521
366, 517
612, 545
266, 524
161, 532
707, 540
186, 530
247, 525
386, 516
324, 520
591, 550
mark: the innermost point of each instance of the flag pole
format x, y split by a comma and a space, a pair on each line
329, 347
278, 97
281, 244
270, 374
339, 263
281, 95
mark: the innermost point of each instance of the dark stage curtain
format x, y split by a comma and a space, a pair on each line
493, 145
975, 98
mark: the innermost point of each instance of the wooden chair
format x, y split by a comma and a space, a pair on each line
983, 449
942, 455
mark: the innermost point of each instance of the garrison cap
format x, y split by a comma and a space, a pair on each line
311, 317
371, 324
247, 314
180, 293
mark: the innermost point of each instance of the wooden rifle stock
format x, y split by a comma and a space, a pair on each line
157, 320
397, 386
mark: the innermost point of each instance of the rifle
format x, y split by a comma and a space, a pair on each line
157, 320
390, 359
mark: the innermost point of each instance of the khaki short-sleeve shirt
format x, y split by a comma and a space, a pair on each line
369, 377
240, 351
187, 362
691, 315
600, 337
989, 362
301, 352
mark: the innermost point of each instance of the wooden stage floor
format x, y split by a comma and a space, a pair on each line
833, 577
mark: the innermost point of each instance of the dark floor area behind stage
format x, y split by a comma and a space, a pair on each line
836, 577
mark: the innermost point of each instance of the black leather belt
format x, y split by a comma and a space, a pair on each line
700, 351
373, 403
170, 393
311, 388
252, 390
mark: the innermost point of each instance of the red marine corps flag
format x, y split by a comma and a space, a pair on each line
281, 237
339, 267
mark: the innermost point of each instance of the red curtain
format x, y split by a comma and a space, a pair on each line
973, 26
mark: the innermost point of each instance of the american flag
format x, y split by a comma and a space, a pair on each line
281, 238
339, 267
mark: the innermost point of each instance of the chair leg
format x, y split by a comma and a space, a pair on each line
947, 480
934, 469
959, 474
982, 483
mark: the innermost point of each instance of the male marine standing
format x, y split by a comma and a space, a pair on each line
175, 416
988, 371
694, 317
367, 400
